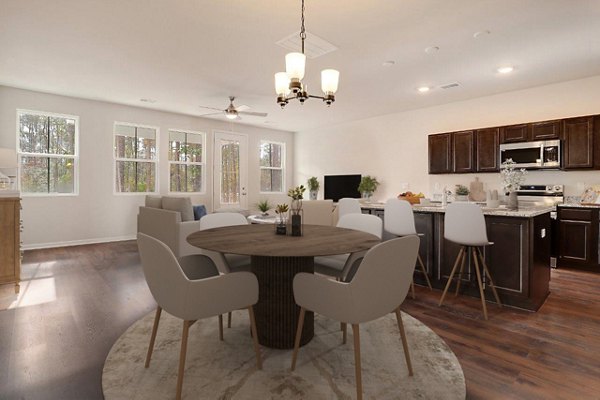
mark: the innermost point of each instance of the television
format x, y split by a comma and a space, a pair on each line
340, 186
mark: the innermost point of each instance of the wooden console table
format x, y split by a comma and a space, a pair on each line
10, 244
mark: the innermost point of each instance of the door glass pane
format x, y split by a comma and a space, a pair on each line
61, 175
34, 174
230, 172
62, 136
125, 141
33, 133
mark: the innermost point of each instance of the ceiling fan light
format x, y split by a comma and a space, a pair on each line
330, 79
282, 84
294, 65
231, 115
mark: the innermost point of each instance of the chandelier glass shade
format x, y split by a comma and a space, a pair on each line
288, 84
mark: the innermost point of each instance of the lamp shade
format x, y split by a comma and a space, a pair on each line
294, 65
329, 80
282, 84
8, 158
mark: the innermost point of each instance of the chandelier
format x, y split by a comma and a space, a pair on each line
288, 84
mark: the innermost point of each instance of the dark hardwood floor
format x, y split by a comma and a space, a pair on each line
78, 300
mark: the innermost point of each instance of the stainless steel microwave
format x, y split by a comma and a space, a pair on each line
541, 154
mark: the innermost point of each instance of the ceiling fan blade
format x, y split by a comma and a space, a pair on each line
215, 113
254, 114
211, 108
243, 107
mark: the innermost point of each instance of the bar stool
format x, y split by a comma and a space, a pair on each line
399, 220
464, 224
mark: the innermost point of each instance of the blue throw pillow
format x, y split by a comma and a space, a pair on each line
199, 212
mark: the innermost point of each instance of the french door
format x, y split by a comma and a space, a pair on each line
230, 170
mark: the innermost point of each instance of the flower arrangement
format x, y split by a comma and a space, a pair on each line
297, 194
511, 178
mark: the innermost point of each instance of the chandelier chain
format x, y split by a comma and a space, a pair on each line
302, 29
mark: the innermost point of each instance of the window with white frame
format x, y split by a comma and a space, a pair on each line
48, 154
186, 161
135, 158
272, 166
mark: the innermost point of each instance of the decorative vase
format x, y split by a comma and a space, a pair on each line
296, 225
367, 196
513, 201
313, 194
281, 226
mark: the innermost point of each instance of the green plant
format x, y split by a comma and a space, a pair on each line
368, 184
313, 184
461, 190
281, 208
264, 206
297, 193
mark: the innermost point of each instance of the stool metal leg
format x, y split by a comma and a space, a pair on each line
487, 271
460, 253
480, 284
462, 267
424, 271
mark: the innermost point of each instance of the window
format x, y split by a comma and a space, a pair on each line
47, 152
135, 158
272, 166
186, 161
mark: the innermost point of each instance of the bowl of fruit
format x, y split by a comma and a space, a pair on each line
412, 198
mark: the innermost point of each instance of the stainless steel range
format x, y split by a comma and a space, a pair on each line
538, 195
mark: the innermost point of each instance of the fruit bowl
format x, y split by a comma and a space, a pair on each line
410, 199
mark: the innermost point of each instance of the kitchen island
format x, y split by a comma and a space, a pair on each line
519, 259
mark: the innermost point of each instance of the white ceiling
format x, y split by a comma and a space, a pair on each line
187, 53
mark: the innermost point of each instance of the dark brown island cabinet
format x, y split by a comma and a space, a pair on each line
478, 150
519, 259
578, 237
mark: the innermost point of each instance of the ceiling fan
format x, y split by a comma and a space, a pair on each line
233, 112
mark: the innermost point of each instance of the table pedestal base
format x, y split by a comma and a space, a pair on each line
276, 311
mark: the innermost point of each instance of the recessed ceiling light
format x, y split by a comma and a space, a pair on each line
388, 63
424, 89
505, 70
480, 34
148, 100
432, 49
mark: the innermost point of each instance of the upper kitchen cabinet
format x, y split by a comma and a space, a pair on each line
578, 144
440, 153
463, 145
545, 130
487, 144
514, 133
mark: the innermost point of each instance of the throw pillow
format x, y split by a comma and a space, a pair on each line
153, 201
199, 212
181, 204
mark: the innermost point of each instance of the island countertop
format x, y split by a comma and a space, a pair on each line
522, 212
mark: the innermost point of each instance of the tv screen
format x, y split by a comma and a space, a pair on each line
340, 186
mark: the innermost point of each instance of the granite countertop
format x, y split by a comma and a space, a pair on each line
579, 205
523, 212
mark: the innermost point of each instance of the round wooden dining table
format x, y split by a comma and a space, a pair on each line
275, 260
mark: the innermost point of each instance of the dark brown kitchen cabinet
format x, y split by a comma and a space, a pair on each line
487, 143
545, 130
514, 133
463, 145
578, 237
578, 145
440, 153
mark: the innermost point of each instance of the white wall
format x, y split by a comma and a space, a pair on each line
393, 147
97, 214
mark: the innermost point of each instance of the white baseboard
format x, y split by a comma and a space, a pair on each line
77, 242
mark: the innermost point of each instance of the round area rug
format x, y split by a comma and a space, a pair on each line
325, 367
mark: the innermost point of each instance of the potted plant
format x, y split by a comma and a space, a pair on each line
264, 206
313, 187
281, 211
297, 194
461, 192
368, 185
511, 180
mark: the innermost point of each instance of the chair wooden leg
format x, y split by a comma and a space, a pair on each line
182, 354
357, 367
480, 284
460, 253
255, 337
404, 342
487, 272
344, 333
424, 271
153, 336
298, 336
462, 267
229, 319
221, 328
412, 289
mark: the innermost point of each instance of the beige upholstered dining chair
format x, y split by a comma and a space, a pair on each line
348, 206
191, 300
317, 212
399, 220
378, 288
342, 266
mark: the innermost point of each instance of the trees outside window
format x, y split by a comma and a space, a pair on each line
48, 154
136, 157
272, 166
186, 161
